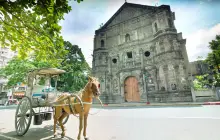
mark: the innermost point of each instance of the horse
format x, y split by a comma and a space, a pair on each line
72, 106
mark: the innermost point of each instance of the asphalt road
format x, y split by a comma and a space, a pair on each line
161, 123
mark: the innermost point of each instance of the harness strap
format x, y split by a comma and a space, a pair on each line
74, 105
74, 100
70, 105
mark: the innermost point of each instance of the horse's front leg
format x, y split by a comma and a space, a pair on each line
85, 126
81, 118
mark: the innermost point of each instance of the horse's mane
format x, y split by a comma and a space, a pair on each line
80, 92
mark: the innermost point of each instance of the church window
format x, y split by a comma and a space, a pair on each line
129, 54
147, 53
170, 22
127, 37
162, 88
114, 60
102, 43
155, 26
102, 84
173, 86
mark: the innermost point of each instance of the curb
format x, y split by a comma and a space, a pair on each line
211, 103
148, 104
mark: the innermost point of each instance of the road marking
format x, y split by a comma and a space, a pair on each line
10, 138
214, 118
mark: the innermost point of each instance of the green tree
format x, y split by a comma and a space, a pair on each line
17, 70
77, 69
213, 59
202, 82
73, 63
29, 26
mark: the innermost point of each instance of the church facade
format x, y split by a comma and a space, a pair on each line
138, 56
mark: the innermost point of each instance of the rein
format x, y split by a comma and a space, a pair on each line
99, 109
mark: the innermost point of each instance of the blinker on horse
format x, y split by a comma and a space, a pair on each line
71, 105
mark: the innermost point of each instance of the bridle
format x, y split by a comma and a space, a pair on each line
93, 95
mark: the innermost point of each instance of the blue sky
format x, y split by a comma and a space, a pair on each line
198, 20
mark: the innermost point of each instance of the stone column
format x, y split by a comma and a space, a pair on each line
144, 94
177, 74
118, 65
116, 98
119, 84
109, 65
165, 70
143, 73
154, 77
142, 59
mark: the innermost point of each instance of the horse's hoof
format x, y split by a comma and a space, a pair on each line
86, 138
62, 135
55, 136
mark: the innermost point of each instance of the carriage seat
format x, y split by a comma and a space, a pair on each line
37, 91
44, 93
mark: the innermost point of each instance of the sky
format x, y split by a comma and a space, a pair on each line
198, 20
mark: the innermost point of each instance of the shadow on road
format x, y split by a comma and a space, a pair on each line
45, 133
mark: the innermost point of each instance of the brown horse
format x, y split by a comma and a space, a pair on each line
72, 106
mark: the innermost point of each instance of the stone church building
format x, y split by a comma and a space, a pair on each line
139, 56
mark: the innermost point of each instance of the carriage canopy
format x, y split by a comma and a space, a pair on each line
49, 71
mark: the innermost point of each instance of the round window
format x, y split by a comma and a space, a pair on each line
114, 60
147, 53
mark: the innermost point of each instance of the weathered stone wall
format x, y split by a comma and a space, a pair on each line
204, 95
163, 97
145, 29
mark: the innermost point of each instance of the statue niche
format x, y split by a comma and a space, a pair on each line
115, 86
173, 86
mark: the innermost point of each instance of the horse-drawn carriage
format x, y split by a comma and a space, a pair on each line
43, 101
37, 101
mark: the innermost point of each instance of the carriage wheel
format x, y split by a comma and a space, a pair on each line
23, 116
64, 120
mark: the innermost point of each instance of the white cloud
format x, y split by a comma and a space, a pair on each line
197, 38
197, 43
84, 41
84, 38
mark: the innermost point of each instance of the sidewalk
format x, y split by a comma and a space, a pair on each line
158, 104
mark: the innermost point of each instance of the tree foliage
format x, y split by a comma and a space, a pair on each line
73, 63
17, 70
202, 82
77, 69
214, 45
32, 26
213, 59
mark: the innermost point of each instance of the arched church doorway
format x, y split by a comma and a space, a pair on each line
131, 89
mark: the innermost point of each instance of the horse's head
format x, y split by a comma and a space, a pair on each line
94, 86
